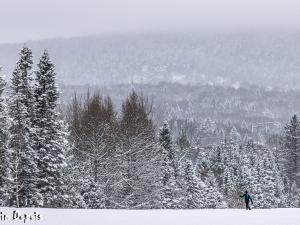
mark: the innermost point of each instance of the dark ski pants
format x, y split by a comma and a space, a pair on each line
247, 206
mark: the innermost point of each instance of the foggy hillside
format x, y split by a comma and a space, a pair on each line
268, 59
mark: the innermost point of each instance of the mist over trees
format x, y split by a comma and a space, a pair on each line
101, 155
259, 58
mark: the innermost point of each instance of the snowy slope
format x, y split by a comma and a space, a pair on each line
158, 217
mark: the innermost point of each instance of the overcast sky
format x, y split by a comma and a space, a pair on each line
23, 20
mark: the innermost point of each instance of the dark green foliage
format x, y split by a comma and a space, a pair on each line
50, 135
24, 169
4, 151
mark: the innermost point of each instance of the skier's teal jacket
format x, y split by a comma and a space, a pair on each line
247, 198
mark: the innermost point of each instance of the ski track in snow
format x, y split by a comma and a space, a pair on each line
158, 217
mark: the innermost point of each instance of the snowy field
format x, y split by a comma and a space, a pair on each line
156, 217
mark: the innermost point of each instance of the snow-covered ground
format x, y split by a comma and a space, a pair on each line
155, 217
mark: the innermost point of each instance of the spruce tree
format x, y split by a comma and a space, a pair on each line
24, 168
234, 135
268, 184
94, 196
165, 140
51, 135
169, 195
230, 157
215, 199
183, 141
4, 152
194, 194
228, 184
291, 151
201, 192
264, 178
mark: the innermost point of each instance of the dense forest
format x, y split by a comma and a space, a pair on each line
95, 153
208, 112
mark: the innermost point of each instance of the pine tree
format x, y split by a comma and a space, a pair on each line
183, 141
234, 135
194, 194
230, 155
215, 197
291, 153
265, 180
23, 82
295, 199
165, 138
246, 179
4, 152
228, 184
200, 191
268, 185
169, 197
94, 196
51, 134
75, 181
24, 168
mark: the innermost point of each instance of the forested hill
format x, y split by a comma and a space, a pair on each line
268, 59
253, 103
203, 110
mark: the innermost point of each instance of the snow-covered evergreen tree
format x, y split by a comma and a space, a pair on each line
229, 180
169, 193
75, 181
4, 151
194, 195
234, 135
165, 139
264, 178
94, 196
50, 134
290, 154
183, 141
24, 169
246, 179
169, 190
268, 185
165, 136
200, 191
228, 186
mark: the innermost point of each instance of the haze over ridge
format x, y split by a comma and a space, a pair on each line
268, 59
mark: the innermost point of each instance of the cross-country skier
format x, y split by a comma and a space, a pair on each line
247, 199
